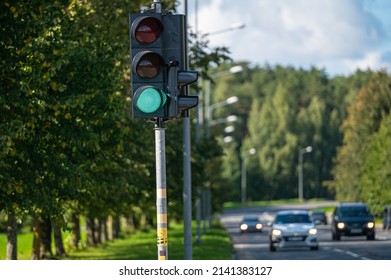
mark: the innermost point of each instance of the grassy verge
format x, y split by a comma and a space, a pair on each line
230, 205
215, 245
25, 244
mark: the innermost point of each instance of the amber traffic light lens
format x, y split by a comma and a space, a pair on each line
148, 64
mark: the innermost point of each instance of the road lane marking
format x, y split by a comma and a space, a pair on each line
336, 250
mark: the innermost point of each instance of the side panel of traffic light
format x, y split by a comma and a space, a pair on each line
175, 51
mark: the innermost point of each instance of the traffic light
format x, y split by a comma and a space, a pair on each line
158, 56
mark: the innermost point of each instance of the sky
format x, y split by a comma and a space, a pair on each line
339, 36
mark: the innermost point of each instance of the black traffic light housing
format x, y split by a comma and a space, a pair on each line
158, 66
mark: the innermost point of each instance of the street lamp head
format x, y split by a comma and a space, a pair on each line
232, 99
232, 118
236, 69
228, 139
252, 151
229, 129
238, 25
308, 149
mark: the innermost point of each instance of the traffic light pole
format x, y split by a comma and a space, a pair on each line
159, 77
161, 190
187, 214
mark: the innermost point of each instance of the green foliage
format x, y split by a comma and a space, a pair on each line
359, 154
282, 110
67, 141
375, 180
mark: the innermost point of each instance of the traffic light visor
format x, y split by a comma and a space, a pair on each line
147, 30
147, 65
150, 99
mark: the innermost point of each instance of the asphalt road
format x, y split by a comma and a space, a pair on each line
255, 246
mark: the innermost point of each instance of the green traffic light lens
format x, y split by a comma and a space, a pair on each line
150, 100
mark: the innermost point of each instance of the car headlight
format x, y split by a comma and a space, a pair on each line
340, 225
244, 227
371, 225
276, 232
259, 226
312, 231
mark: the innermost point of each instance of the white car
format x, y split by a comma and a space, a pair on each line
293, 228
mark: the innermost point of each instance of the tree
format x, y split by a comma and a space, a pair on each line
375, 180
364, 120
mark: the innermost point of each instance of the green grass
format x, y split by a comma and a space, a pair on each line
25, 244
215, 245
231, 205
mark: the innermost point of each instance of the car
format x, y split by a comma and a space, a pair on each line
352, 219
293, 228
319, 217
250, 223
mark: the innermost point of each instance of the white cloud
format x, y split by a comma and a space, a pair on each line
338, 35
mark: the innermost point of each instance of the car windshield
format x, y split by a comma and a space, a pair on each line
354, 211
292, 219
250, 219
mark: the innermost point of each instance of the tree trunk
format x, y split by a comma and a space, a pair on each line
60, 250
104, 234
46, 237
98, 231
76, 230
36, 254
12, 237
116, 226
135, 221
91, 239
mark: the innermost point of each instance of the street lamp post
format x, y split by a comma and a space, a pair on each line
252, 151
300, 185
234, 26
208, 110
206, 194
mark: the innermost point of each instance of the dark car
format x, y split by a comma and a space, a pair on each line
250, 223
352, 219
319, 217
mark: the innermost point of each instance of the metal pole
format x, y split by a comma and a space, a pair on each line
161, 190
207, 107
157, 6
187, 215
300, 171
244, 179
188, 251
300, 175
198, 216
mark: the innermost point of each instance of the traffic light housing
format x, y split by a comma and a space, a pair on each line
158, 66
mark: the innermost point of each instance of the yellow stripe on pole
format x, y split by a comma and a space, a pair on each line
162, 218
161, 193
162, 239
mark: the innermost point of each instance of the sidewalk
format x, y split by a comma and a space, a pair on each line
382, 234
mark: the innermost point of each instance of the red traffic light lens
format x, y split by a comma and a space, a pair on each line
147, 30
147, 64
